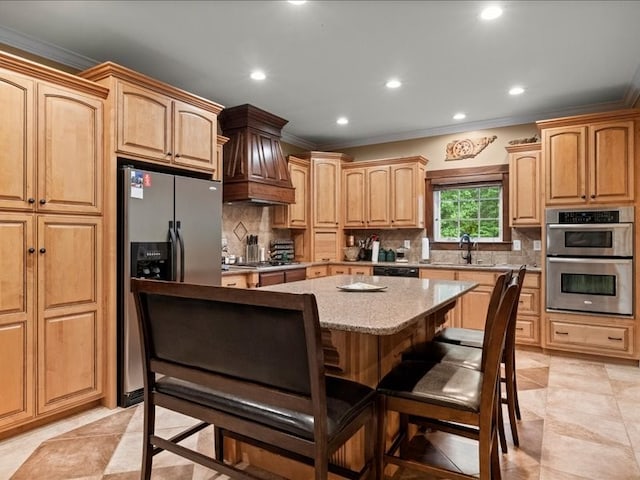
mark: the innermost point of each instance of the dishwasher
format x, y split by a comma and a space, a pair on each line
388, 271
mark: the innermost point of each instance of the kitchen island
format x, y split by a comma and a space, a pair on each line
364, 335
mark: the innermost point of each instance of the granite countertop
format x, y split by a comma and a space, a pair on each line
403, 302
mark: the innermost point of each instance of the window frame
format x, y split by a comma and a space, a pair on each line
466, 177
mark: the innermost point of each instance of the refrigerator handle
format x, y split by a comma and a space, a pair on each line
181, 250
172, 239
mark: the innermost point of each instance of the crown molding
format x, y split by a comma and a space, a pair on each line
44, 49
632, 97
472, 126
298, 141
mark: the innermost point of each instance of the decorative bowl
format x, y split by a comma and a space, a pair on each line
351, 253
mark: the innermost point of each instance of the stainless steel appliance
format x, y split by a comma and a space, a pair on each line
169, 228
590, 263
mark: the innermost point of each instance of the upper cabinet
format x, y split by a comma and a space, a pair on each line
295, 215
51, 141
589, 159
158, 123
326, 190
385, 193
524, 185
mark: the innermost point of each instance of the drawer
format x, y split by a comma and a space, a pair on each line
529, 301
528, 330
360, 270
317, 271
338, 270
437, 274
483, 278
238, 281
591, 337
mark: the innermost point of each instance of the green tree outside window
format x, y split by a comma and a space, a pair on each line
473, 210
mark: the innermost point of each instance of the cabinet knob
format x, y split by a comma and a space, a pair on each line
392, 221
168, 154
593, 196
42, 201
31, 250
32, 200
583, 196
336, 223
43, 250
177, 155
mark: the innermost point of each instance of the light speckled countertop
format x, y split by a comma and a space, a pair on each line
404, 301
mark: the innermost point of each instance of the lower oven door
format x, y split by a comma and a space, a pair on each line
592, 285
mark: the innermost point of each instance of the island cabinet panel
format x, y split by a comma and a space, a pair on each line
17, 128
69, 311
16, 318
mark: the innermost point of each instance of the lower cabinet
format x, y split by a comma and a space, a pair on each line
282, 276
51, 290
350, 270
595, 335
474, 304
317, 271
238, 280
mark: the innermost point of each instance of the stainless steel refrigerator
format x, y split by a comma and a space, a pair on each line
169, 229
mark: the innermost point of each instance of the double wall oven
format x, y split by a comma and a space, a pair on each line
589, 264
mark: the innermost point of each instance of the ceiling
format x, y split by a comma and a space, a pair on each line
326, 59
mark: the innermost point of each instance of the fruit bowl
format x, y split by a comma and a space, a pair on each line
351, 253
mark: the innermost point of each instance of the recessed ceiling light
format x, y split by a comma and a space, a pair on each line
258, 75
516, 91
393, 83
297, 2
491, 12
342, 121
459, 116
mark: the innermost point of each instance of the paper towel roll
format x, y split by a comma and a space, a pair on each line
375, 249
425, 248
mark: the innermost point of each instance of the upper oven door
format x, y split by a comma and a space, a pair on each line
590, 285
590, 240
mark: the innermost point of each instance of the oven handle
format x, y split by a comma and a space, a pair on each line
589, 226
589, 260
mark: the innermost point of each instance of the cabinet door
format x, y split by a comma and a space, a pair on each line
611, 160
195, 137
17, 127
565, 164
271, 278
378, 194
69, 311
16, 318
524, 178
144, 123
473, 307
298, 210
404, 198
353, 184
325, 246
70, 151
326, 188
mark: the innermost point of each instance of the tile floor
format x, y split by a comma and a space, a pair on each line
580, 421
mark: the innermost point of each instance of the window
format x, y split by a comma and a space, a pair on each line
468, 200
475, 210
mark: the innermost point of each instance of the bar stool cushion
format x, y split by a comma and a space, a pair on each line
442, 384
437, 352
345, 400
461, 336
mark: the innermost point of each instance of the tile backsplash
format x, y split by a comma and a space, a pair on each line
239, 220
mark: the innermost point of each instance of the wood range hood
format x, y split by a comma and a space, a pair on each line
254, 167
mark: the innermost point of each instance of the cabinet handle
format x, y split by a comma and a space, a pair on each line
32, 200
31, 250
326, 259
617, 339
562, 333
519, 328
231, 284
42, 201
43, 250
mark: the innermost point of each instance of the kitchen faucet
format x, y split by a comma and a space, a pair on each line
466, 239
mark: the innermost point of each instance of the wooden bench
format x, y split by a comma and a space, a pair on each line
251, 364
